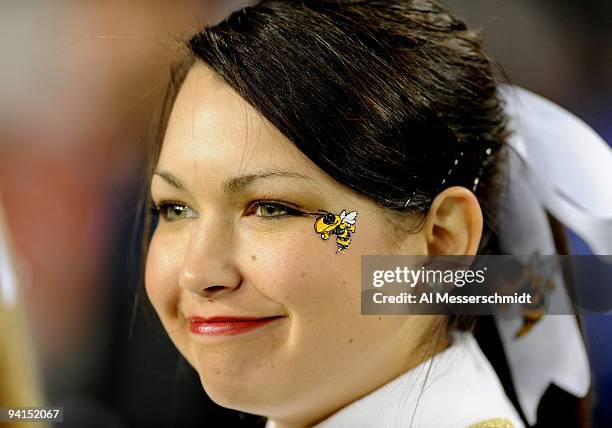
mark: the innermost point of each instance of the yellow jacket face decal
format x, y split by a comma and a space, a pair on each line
342, 226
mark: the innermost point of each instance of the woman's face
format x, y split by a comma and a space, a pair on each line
220, 252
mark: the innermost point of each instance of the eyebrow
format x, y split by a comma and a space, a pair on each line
234, 184
171, 179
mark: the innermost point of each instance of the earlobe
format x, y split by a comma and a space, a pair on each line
454, 223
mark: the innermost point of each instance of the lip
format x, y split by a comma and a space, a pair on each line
227, 326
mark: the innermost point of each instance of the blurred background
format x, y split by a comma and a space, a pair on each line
78, 83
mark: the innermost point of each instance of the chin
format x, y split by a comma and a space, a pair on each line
238, 393
241, 378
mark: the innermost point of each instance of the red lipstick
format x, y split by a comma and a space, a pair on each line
226, 326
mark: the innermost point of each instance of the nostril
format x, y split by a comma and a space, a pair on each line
213, 288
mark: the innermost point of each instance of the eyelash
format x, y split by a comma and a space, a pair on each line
162, 209
290, 211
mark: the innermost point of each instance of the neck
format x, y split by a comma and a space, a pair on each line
331, 404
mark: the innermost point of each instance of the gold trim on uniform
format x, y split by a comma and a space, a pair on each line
493, 423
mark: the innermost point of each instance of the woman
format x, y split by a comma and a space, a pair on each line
287, 110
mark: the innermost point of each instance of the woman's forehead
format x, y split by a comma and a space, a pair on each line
212, 128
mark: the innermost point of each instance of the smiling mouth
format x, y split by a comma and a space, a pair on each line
226, 326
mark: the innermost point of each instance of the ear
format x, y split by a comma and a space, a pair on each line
454, 223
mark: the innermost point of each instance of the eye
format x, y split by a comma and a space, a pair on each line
273, 210
329, 219
173, 211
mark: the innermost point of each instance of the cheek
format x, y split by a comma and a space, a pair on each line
319, 287
161, 274
303, 272
321, 291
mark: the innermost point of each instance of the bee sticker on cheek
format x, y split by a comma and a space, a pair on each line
342, 226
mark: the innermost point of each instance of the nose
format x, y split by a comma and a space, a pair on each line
207, 268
